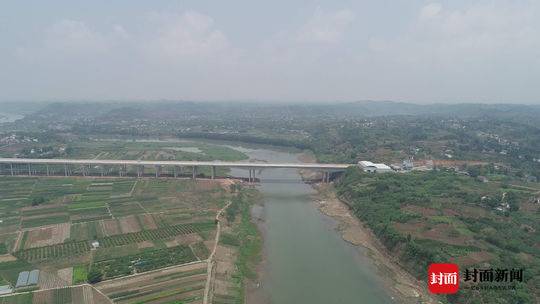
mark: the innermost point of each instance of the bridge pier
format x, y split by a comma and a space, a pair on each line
65, 170
11, 165
158, 171
326, 177
194, 172
29, 170
251, 178
213, 172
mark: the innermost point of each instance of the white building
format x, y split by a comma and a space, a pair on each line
5, 289
370, 167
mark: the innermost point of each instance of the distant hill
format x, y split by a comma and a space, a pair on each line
175, 110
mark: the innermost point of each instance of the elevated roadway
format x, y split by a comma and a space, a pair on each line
327, 169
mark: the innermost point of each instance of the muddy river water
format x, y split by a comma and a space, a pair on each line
305, 259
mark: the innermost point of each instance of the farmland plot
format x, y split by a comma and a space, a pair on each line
147, 260
87, 231
129, 224
40, 237
155, 234
183, 283
58, 251
85, 294
55, 235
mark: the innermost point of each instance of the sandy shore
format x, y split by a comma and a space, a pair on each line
407, 288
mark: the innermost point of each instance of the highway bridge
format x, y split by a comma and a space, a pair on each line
88, 167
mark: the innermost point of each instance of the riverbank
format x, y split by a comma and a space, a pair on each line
406, 287
303, 259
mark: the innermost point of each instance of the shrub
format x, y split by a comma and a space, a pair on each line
94, 276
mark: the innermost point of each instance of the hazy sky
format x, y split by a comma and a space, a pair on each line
283, 50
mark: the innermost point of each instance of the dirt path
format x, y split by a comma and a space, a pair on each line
210, 259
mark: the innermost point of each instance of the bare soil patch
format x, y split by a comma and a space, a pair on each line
110, 227
145, 244
66, 274
48, 236
439, 232
450, 212
129, 224
473, 212
453, 163
426, 212
225, 268
148, 221
7, 258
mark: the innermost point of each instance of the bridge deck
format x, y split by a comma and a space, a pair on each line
172, 163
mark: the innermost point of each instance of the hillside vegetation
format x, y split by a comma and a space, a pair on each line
440, 216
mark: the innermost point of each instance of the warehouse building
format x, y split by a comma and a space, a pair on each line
370, 167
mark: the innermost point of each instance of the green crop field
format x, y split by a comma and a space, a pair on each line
79, 274
74, 248
145, 261
43, 221
155, 234
57, 251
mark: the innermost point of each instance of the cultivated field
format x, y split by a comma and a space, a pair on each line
53, 223
84, 294
181, 283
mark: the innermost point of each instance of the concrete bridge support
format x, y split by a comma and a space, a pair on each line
140, 171
194, 171
251, 178
213, 172
65, 170
326, 177
158, 171
11, 166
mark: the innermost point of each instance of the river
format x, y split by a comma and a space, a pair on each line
305, 258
